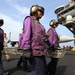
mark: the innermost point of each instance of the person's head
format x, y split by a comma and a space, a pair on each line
53, 23
37, 11
5, 35
1, 22
22, 30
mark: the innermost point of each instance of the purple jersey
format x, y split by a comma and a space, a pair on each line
33, 37
20, 40
53, 37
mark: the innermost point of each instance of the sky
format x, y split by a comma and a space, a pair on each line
14, 11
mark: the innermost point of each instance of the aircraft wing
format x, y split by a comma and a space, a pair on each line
62, 39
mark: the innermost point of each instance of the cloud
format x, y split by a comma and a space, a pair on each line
8, 20
23, 10
11, 25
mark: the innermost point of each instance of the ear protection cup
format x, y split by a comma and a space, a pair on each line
34, 9
51, 23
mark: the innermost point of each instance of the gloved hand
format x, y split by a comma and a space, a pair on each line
55, 47
26, 52
19, 48
24, 49
46, 38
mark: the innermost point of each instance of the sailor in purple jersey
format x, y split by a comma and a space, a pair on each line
19, 44
22, 59
53, 40
20, 39
33, 40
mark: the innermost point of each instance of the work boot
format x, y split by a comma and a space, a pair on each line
8, 60
5, 73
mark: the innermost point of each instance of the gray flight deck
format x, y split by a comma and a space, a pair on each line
66, 65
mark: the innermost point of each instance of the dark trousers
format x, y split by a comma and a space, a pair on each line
24, 61
1, 66
39, 66
51, 67
20, 61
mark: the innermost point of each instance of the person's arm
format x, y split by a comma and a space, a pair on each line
51, 37
27, 33
20, 39
2, 39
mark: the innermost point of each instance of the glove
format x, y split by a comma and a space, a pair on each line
53, 48
19, 48
24, 49
26, 52
46, 38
